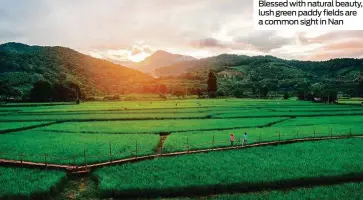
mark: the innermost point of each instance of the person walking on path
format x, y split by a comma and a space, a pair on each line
232, 139
245, 139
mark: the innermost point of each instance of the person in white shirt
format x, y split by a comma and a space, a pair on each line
245, 139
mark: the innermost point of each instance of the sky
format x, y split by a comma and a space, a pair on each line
131, 30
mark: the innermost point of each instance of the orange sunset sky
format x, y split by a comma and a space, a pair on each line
124, 30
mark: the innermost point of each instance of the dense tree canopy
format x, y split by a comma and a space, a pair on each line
212, 84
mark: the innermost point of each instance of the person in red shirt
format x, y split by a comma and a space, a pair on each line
232, 139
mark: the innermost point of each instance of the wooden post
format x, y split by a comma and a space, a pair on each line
213, 141
297, 134
110, 152
188, 144
74, 161
84, 155
136, 149
279, 136
45, 159
259, 139
21, 158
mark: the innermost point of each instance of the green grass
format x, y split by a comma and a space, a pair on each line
69, 139
333, 192
68, 148
25, 183
15, 125
312, 121
204, 139
172, 104
157, 126
98, 116
238, 169
351, 101
265, 113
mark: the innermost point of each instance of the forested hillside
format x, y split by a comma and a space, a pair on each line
22, 65
241, 75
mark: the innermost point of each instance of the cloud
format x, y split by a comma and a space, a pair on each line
347, 48
265, 41
130, 29
208, 43
326, 37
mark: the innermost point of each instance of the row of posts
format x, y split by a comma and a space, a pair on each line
161, 149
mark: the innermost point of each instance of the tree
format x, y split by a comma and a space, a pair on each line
286, 95
41, 91
199, 93
330, 95
264, 91
179, 93
4, 89
162, 89
360, 88
77, 94
212, 85
303, 90
67, 91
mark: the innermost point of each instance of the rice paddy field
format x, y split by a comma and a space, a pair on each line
66, 132
24, 183
235, 170
95, 132
334, 192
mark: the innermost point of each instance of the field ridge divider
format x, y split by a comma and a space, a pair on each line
88, 167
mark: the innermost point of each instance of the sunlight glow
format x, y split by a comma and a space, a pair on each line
138, 57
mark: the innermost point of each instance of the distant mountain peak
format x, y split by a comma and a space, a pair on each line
167, 55
160, 59
161, 52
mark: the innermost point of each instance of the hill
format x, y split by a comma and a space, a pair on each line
22, 65
158, 60
240, 74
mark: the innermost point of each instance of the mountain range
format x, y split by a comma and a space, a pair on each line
22, 65
157, 60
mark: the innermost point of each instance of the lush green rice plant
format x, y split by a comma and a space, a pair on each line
157, 126
16, 125
210, 139
266, 113
96, 116
68, 148
332, 192
28, 183
237, 170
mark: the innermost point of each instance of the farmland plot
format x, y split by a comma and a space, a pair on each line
235, 170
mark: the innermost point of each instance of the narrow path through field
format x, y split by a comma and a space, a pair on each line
80, 188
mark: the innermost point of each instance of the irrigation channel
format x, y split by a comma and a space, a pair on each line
84, 169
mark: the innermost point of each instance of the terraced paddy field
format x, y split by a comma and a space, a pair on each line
24, 183
333, 192
236, 170
95, 132
101, 131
